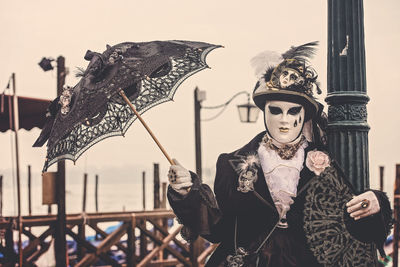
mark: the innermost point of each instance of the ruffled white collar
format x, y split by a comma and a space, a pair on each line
282, 176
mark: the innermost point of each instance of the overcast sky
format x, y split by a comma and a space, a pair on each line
33, 29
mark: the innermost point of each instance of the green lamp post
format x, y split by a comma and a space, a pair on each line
347, 93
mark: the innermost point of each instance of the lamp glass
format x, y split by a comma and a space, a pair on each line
248, 113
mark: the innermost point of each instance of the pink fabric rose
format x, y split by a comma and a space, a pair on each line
317, 161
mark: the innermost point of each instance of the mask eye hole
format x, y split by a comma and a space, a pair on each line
293, 77
274, 110
294, 110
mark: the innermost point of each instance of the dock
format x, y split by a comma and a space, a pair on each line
142, 238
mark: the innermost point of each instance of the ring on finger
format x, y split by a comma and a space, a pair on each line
364, 203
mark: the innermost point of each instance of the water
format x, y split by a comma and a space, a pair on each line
118, 190
118, 196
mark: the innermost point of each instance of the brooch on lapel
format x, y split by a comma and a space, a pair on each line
237, 260
246, 168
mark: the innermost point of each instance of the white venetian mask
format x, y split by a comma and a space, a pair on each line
284, 120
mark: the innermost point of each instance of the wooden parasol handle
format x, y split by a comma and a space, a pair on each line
122, 93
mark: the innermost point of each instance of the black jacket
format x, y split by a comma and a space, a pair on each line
253, 214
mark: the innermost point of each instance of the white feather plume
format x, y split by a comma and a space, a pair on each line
265, 60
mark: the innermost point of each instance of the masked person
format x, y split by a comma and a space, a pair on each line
265, 207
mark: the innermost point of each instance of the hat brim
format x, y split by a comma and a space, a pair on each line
311, 106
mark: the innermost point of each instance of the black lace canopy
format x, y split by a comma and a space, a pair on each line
149, 73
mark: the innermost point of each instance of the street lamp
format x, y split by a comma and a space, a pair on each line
248, 113
60, 226
45, 64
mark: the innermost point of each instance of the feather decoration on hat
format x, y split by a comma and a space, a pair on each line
301, 52
265, 60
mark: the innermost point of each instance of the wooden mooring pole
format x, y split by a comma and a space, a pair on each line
381, 169
15, 128
164, 196
144, 189
96, 191
81, 251
1, 195
164, 223
130, 255
396, 217
156, 193
156, 186
60, 242
143, 239
9, 252
84, 192
29, 191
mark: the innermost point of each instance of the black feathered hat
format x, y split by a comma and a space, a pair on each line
288, 78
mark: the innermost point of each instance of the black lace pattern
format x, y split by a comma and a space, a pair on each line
149, 74
325, 226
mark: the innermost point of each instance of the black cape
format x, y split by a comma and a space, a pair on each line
253, 215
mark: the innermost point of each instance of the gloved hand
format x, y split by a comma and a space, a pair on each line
179, 178
363, 205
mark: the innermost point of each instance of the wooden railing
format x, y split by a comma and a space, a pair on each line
144, 239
